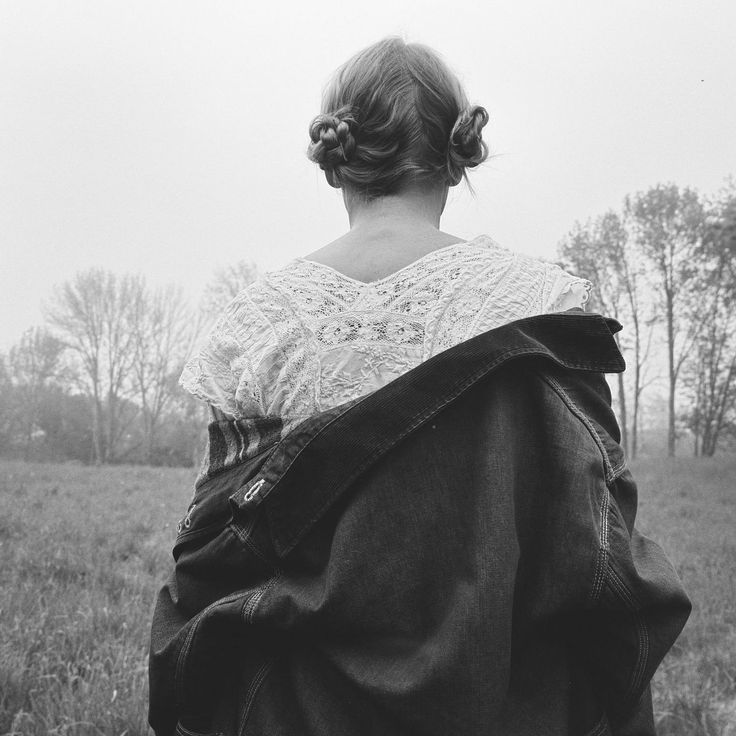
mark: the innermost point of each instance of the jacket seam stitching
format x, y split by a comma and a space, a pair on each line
184, 731
610, 471
249, 606
248, 612
627, 598
255, 686
617, 470
245, 539
184, 652
600, 728
610, 474
603, 550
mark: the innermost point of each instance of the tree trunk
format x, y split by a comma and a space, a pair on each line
637, 383
111, 428
622, 411
708, 446
635, 418
149, 435
671, 365
29, 439
97, 428
718, 421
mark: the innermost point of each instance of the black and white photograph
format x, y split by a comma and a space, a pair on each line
368, 370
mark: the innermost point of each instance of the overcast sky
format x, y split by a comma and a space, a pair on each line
168, 137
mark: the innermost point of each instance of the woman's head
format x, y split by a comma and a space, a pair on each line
395, 115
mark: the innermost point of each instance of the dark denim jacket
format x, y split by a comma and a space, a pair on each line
454, 554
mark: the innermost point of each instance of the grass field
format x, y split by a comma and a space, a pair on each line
84, 550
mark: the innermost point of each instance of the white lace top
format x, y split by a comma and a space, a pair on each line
305, 338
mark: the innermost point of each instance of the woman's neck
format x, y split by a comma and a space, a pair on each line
388, 233
413, 209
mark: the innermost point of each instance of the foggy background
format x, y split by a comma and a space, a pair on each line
169, 138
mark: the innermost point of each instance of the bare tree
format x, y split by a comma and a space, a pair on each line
585, 251
711, 372
602, 251
641, 314
164, 329
713, 381
7, 406
667, 223
226, 283
93, 314
32, 364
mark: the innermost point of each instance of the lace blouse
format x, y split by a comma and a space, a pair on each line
305, 338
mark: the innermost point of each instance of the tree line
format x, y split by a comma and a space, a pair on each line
665, 266
98, 381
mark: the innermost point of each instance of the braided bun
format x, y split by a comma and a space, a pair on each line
395, 115
467, 148
332, 138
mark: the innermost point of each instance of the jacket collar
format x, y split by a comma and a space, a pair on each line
314, 464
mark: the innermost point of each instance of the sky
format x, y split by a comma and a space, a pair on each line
168, 138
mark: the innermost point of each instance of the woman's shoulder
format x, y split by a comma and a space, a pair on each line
484, 263
482, 260
555, 288
220, 370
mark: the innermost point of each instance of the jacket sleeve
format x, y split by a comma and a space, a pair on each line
638, 610
637, 605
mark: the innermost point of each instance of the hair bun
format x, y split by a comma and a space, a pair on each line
332, 140
467, 148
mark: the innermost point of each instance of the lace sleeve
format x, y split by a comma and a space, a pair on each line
567, 291
222, 373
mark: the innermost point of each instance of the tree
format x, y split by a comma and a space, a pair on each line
227, 282
711, 372
601, 250
8, 408
183, 435
632, 279
162, 338
667, 223
713, 383
588, 252
64, 419
93, 314
32, 364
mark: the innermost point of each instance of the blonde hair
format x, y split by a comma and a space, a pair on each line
395, 114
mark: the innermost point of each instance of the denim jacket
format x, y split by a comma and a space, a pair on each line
454, 554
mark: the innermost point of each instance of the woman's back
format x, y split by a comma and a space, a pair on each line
395, 133
307, 337
503, 501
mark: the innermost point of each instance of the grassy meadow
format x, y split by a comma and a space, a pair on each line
83, 551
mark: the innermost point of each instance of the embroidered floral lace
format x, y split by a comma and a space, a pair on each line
305, 338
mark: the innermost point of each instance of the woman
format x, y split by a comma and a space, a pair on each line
414, 516
395, 133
